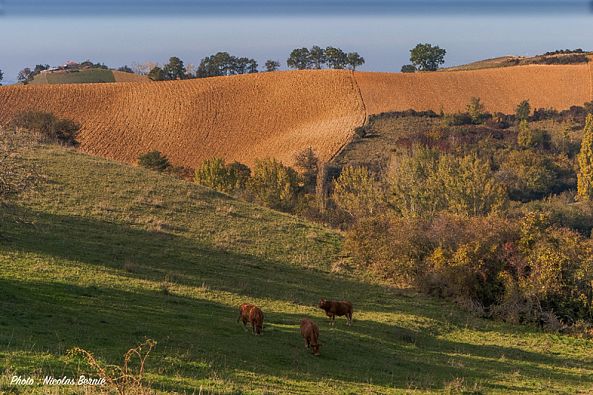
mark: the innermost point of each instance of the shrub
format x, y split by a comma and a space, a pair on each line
274, 184
529, 138
408, 68
476, 110
357, 192
154, 160
457, 119
50, 127
424, 183
215, 174
528, 175
523, 110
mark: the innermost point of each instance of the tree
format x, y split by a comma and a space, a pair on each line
424, 183
244, 65
308, 162
1, 76
299, 59
272, 65
317, 56
523, 110
126, 69
336, 58
476, 110
426, 57
154, 160
469, 185
143, 68
408, 68
357, 192
223, 63
585, 159
157, 74
354, 60
25, 76
274, 184
174, 70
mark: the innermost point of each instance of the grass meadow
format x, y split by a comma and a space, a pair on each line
104, 255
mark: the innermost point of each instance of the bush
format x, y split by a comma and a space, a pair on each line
528, 175
50, 127
274, 185
357, 192
408, 68
519, 271
529, 138
154, 160
476, 110
425, 183
215, 174
457, 119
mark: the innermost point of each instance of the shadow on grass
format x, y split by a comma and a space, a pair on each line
200, 339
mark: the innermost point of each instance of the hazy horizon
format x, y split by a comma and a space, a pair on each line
383, 40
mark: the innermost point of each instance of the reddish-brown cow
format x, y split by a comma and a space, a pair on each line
337, 308
310, 332
254, 315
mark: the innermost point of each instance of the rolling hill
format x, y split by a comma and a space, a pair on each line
279, 114
102, 255
86, 76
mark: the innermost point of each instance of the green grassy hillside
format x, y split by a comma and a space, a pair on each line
103, 255
86, 76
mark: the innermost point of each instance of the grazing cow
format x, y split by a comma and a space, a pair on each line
253, 314
310, 332
334, 308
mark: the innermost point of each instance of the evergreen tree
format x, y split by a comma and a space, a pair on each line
523, 111
585, 158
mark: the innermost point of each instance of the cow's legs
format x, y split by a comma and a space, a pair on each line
306, 343
349, 317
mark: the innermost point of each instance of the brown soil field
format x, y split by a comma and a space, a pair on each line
278, 114
237, 118
500, 89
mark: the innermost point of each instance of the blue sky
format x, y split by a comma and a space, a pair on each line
384, 40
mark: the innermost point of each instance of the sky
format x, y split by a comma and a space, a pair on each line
383, 39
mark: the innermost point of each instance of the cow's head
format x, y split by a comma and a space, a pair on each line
322, 303
259, 328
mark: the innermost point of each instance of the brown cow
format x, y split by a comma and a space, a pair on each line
253, 314
310, 332
337, 308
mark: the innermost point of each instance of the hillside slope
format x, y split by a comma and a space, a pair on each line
500, 89
86, 76
238, 118
103, 255
278, 114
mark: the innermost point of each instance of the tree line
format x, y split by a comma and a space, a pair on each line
423, 57
224, 64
